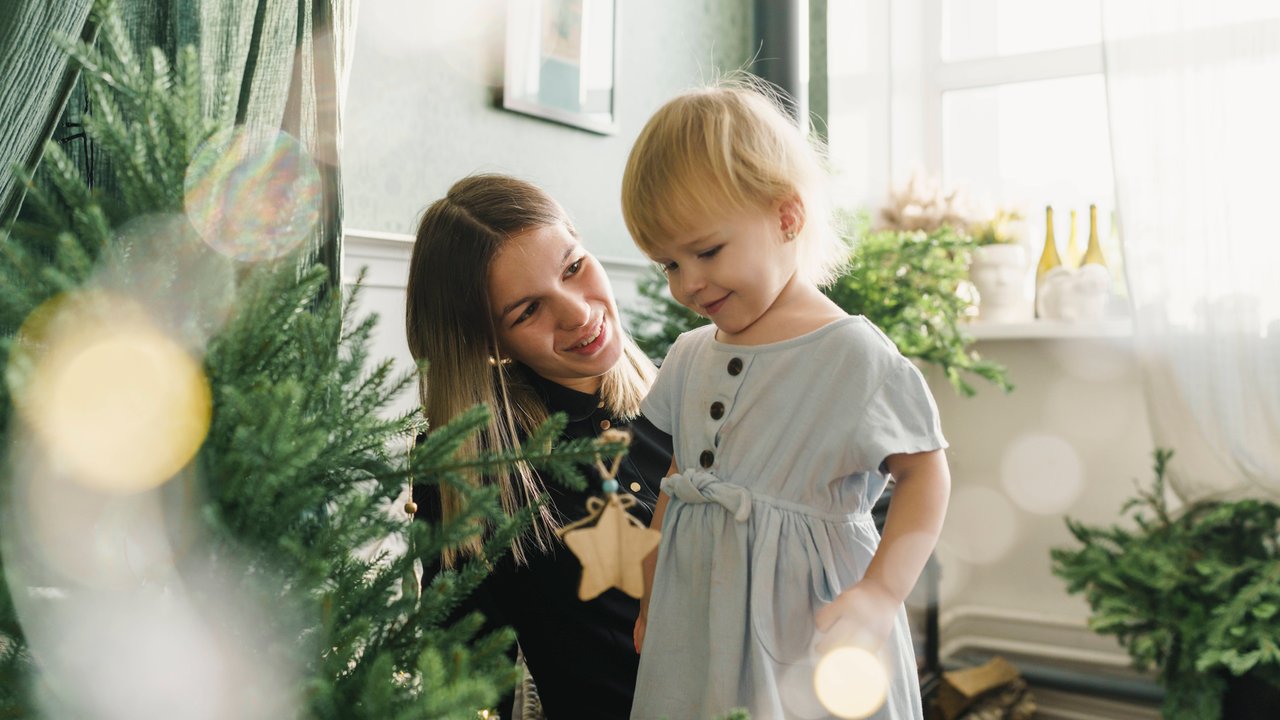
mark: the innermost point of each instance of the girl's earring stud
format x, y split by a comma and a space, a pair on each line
791, 235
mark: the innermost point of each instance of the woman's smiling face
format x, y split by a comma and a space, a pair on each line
553, 308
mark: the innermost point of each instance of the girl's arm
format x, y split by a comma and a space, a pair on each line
651, 563
863, 614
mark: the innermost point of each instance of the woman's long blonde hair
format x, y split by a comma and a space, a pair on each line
449, 323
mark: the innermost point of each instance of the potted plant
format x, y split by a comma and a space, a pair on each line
1194, 594
999, 268
908, 283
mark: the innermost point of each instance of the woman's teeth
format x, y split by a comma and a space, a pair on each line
591, 339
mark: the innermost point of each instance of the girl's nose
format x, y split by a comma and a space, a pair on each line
691, 281
573, 312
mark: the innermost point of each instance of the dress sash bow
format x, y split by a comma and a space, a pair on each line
699, 486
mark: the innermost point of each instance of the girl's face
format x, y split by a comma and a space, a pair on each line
734, 269
554, 309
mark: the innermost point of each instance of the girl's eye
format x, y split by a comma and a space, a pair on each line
710, 253
669, 267
573, 268
526, 313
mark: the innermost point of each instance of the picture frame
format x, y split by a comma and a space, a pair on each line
561, 62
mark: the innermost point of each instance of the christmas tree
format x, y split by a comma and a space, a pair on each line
194, 442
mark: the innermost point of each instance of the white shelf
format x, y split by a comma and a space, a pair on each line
1050, 329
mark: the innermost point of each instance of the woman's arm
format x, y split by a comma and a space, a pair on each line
863, 614
651, 562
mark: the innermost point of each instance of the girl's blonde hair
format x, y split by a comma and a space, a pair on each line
450, 324
718, 150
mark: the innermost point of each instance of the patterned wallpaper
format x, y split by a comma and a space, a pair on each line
422, 107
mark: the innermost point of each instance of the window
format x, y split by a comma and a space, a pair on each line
1005, 98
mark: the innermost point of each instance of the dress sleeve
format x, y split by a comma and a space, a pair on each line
660, 405
900, 417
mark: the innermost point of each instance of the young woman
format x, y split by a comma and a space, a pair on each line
511, 310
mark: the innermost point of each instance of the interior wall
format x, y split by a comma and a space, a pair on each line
422, 107
1070, 440
422, 110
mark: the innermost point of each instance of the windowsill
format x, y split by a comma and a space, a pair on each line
1050, 329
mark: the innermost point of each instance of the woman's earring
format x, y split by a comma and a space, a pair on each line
791, 235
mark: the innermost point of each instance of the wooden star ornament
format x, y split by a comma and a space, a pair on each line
612, 551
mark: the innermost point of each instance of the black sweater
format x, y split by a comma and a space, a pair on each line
580, 654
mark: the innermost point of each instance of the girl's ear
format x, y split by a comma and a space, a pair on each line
791, 217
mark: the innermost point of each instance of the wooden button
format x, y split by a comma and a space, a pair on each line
600, 404
707, 458
717, 410
735, 366
635, 487
605, 424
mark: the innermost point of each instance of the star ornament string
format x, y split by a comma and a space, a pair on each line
610, 542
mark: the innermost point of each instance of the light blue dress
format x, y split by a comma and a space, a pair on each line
781, 450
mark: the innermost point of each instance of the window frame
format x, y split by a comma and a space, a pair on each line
940, 76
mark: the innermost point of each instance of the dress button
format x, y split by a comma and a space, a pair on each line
600, 404
717, 410
707, 458
735, 366
605, 424
635, 487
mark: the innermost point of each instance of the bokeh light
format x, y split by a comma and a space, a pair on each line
157, 654
115, 403
851, 682
981, 525
160, 262
253, 196
80, 535
796, 691
953, 576
1042, 474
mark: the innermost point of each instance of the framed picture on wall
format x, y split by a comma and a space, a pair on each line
561, 62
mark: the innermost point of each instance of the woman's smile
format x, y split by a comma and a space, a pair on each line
593, 341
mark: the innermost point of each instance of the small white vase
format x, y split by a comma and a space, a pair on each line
1075, 295
999, 273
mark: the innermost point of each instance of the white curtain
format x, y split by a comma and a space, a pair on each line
1193, 89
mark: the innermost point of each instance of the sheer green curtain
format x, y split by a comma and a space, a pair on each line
35, 82
283, 62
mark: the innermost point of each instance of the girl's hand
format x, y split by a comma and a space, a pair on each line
637, 635
861, 616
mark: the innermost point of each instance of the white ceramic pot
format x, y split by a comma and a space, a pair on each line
999, 273
1074, 295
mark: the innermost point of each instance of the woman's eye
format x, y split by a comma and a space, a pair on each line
574, 268
526, 313
710, 253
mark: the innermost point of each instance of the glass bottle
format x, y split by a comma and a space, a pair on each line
1093, 253
1049, 257
1111, 249
1074, 253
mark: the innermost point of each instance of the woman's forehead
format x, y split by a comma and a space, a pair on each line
528, 263
550, 245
